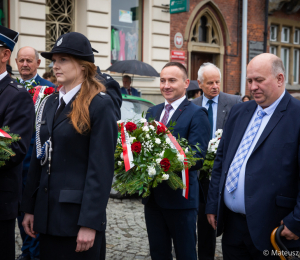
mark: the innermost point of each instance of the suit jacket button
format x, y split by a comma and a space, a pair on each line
220, 192
103, 223
46, 189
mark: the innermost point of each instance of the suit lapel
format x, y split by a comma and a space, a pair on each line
159, 111
275, 118
51, 113
178, 111
239, 130
221, 111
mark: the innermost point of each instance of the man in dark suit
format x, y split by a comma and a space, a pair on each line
218, 105
28, 62
255, 179
16, 112
127, 89
169, 216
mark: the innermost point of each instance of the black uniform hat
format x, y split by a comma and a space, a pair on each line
8, 37
73, 43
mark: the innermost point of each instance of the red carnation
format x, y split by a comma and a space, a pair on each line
161, 130
130, 127
136, 147
165, 164
49, 91
31, 91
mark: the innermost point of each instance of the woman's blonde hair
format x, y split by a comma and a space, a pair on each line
80, 116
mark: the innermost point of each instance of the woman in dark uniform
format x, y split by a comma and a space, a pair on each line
69, 183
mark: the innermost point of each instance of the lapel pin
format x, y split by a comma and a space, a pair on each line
56, 97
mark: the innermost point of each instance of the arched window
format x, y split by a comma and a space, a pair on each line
59, 20
205, 30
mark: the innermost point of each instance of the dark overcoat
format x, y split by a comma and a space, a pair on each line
75, 192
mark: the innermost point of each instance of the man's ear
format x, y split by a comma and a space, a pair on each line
199, 83
5, 55
280, 79
39, 62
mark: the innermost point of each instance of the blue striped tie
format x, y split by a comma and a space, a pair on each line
238, 160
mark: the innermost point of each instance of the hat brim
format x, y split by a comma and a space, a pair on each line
48, 55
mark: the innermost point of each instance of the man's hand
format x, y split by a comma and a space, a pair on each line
288, 234
85, 239
212, 220
28, 225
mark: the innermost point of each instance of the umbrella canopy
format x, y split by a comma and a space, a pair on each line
133, 67
193, 85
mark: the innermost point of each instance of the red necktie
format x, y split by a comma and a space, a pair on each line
129, 91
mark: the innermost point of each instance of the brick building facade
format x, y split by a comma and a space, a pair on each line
218, 36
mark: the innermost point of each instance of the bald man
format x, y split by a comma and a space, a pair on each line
28, 62
255, 180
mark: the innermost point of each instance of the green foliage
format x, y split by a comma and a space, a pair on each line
154, 147
5, 150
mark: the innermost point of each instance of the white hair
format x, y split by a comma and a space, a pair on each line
203, 67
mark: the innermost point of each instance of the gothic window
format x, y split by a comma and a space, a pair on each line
205, 30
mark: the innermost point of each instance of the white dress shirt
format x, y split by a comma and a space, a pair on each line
68, 96
3, 75
175, 105
215, 111
235, 200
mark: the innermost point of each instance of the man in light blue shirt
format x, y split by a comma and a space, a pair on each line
218, 105
255, 179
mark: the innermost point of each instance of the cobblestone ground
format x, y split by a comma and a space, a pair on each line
126, 235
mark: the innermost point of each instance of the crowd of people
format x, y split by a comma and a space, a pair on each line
59, 181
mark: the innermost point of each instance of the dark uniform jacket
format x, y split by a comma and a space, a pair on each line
76, 191
16, 112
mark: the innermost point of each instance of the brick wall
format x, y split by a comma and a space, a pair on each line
232, 57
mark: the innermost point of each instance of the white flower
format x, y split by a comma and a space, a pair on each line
168, 141
180, 157
143, 120
145, 128
157, 141
219, 133
158, 160
147, 136
165, 177
151, 171
120, 121
119, 163
41, 95
131, 139
162, 153
121, 156
151, 127
186, 150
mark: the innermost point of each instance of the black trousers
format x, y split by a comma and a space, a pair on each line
237, 243
63, 248
206, 234
7, 239
165, 225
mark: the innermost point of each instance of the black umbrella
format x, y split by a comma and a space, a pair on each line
133, 67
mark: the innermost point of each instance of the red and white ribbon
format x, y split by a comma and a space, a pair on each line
37, 97
4, 134
127, 152
185, 172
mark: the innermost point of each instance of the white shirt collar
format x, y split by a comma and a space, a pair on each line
68, 96
176, 103
270, 110
3, 75
205, 99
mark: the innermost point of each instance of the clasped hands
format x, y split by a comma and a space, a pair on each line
289, 235
85, 238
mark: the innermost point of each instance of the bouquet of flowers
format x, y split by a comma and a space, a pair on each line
147, 154
210, 156
5, 141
